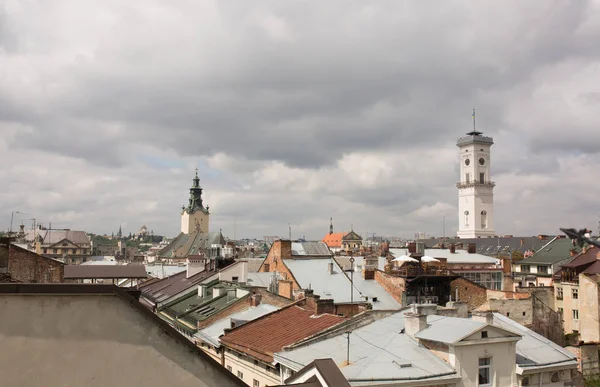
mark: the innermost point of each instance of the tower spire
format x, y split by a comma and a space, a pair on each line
330, 226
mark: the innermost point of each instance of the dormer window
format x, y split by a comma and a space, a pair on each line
484, 334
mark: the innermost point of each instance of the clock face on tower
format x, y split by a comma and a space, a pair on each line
467, 162
481, 161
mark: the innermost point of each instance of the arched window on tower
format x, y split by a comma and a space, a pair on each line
467, 218
484, 219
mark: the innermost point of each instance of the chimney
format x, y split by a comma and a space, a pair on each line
330, 268
425, 309
462, 308
572, 252
195, 264
452, 248
38, 247
414, 323
412, 247
285, 248
471, 248
255, 300
368, 274
484, 316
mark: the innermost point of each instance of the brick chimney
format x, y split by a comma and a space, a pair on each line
368, 273
452, 248
412, 247
414, 323
255, 300
285, 247
471, 248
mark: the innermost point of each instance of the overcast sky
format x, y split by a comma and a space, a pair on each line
295, 112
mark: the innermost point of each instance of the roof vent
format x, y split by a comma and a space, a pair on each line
402, 365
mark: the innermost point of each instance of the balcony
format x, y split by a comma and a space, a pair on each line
479, 183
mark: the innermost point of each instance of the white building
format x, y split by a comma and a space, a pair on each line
435, 347
475, 187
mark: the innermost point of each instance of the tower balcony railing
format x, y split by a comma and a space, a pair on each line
478, 183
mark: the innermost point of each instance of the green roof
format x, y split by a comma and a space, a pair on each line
553, 252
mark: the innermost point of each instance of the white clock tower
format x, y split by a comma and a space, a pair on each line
475, 187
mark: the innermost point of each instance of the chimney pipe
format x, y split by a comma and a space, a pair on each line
414, 323
330, 268
452, 248
255, 300
484, 316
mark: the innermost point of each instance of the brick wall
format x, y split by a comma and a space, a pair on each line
26, 266
473, 294
395, 286
280, 250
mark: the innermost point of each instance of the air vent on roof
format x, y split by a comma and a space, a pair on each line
402, 365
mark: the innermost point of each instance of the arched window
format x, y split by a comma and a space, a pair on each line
467, 218
484, 219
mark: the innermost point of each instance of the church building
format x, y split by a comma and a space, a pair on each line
194, 217
475, 187
194, 238
348, 241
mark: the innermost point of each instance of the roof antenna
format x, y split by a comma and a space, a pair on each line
348, 347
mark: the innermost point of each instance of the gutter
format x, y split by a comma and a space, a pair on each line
407, 378
539, 367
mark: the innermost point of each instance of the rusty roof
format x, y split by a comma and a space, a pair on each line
271, 333
104, 271
170, 286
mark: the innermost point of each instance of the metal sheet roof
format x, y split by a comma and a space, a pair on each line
311, 249
313, 273
555, 251
378, 353
534, 350
448, 329
211, 333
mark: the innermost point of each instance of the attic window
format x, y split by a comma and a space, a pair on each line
484, 334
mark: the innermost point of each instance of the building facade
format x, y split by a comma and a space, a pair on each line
475, 187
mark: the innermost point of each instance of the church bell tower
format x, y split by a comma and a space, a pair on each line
194, 217
475, 186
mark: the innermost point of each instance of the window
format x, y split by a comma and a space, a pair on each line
559, 293
542, 269
559, 310
575, 314
575, 293
485, 372
468, 178
229, 369
255, 383
45, 251
484, 334
482, 178
525, 381
484, 219
234, 279
240, 375
525, 268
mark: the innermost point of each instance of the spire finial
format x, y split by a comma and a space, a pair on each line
197, 167
473, 115
330, 226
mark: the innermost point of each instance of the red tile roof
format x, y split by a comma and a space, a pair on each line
334, 240
266, 335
